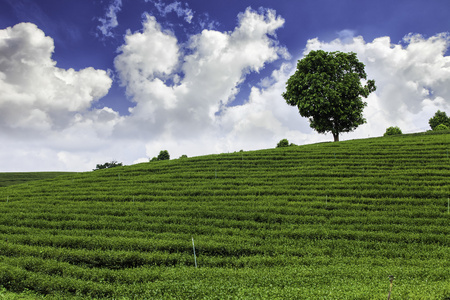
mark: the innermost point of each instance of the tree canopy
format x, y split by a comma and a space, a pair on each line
327, 89
393, 130
163, 155
283, 143
440, 117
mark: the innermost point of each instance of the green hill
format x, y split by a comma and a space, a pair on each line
321, 221
12, 178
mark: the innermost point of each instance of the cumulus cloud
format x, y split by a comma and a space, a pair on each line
34, 93
146, 55
183, 93
41, 105
110, 22
180, 96
265, 119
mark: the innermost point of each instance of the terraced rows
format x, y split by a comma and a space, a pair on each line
323, 221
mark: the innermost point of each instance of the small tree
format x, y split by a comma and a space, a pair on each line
108, 165
440, 117
163, 155
392, 131
283, 143
184, 156
327, 89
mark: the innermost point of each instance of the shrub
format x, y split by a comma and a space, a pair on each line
441, 127
283, 143
393, 130
163, 155
184, 156
108, 165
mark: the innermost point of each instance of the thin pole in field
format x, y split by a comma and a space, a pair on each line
391, 279
195, 257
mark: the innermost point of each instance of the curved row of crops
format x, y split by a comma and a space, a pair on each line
323, 221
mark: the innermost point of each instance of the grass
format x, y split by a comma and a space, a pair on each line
322, 221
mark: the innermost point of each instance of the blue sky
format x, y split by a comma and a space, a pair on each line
93, 81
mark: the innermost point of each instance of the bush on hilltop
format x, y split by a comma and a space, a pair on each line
393, 130
163, 155
108, 165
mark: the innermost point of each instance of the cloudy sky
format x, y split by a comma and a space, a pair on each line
85, 82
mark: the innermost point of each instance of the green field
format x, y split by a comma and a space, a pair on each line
12, 178
321, 221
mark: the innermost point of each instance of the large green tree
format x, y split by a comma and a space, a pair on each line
327, 89
440, 117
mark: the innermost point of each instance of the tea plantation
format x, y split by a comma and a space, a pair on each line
321, 221
7, 179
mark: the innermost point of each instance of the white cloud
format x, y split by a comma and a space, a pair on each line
35, 94
43, 108
176, 7
205, 22
183, 94
185, 110
178, 97
110, 22
346, 35
266, 119
144, 56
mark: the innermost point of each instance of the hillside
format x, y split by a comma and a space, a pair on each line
11, 178
321, 221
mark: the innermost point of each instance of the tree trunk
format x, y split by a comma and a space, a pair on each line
336, 136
